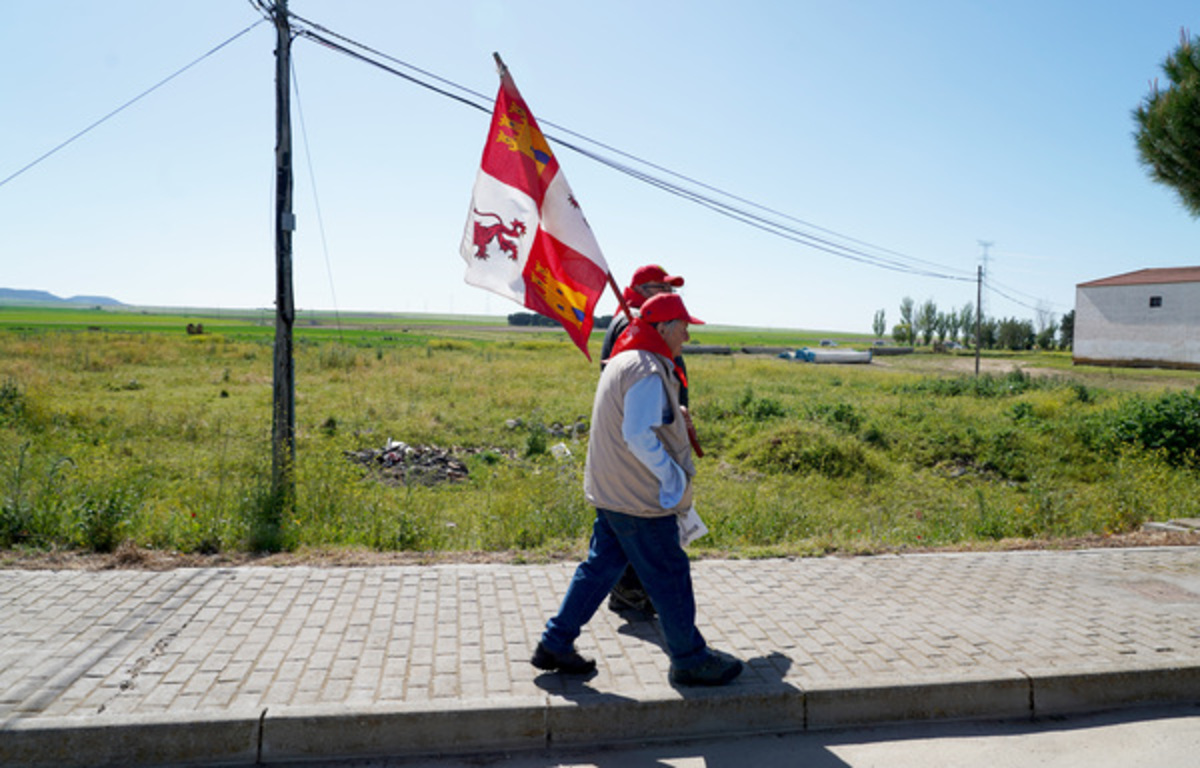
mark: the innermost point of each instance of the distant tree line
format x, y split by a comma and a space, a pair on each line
534, 319
927, 325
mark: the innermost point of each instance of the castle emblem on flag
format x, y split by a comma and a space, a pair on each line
568, 305
515, 131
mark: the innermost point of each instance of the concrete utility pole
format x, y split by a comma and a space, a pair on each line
283, 431
984, 261
979, 301
978, 315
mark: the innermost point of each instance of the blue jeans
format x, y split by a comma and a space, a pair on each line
651, 546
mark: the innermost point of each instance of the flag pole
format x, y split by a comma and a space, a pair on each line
693, 438
620, 297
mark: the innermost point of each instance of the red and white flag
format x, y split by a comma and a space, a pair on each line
526, 237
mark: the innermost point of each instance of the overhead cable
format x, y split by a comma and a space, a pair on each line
307, 31
759, 222
996, 286
991, 286
607, 147
322, 40
128, 104
892, 260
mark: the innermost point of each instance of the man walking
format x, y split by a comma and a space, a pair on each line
647, 282
638, 475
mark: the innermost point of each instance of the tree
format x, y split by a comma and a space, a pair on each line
966, 320
942, 325
1168, 134
906, 318
953, 324
1015, 334
1066, 331
927, 320
1047, 327
1044, 317
531, 318
1045, 337
988, 333
879, 324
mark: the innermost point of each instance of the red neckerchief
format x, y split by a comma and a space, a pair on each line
643, 335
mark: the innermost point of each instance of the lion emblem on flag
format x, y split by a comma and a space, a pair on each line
506, 237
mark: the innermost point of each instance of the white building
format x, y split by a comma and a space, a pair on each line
1150, 317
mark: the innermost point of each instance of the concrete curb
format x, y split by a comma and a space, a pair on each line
290, 734
296, 735
140, 741
1057, 693
905, 701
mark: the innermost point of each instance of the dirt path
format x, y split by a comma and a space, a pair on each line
962, 365
129, 557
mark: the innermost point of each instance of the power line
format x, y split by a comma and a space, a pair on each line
484, 106
759, 222
992, 286
312, 178
740, 209
309, 34
128, 104
997, 285
882, 258
386, 57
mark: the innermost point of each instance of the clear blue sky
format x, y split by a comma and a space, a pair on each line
919, 127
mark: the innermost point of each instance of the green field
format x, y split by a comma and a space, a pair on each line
116, 425
234, 323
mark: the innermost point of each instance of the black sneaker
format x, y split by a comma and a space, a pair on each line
718, 669
621, 600
570, 663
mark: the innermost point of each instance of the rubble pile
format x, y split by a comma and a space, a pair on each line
399, 463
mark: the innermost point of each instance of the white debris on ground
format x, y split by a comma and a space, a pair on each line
399, 463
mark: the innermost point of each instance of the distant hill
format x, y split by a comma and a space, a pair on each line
45, 297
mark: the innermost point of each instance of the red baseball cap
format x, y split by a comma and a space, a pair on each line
652, 273
666, 307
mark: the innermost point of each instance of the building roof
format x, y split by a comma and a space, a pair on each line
1149, 277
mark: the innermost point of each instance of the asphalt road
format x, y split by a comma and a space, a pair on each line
1155, 738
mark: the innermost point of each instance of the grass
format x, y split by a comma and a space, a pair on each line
138, 432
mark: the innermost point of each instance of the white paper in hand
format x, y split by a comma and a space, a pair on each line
691, 527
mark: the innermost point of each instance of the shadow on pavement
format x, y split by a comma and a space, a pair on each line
1163, 736
575, 688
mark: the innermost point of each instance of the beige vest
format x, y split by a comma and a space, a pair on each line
613, 478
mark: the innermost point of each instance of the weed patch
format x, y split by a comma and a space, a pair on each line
1012, 383
106, 515
1168, 425
803, 448
798, 459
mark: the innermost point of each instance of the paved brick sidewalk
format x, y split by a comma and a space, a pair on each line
259, 664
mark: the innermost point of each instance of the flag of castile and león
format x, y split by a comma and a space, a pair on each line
526, 237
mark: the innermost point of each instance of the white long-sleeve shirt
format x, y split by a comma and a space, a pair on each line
647, 407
